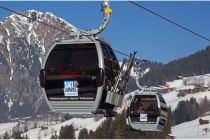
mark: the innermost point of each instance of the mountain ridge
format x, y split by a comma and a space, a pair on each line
23, 44
196, 64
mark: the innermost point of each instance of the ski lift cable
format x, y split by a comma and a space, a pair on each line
168, 20
52, 26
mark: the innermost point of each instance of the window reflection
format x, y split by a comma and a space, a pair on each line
144, 109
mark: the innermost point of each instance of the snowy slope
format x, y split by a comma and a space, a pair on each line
6, 127
91, 124
191, 130
23, 44
78, 123
135, 70
172, 99
186, 83
189, 82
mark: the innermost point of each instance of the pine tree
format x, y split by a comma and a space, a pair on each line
83, 134
4, 111
67, 132
67, 116
90, 135
118, 129
54, 135
120, 126
204, 106
25, 137
189, 110
6, 136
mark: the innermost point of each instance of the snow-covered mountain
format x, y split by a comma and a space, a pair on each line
23, 43
194, 86
192, 129
140, 68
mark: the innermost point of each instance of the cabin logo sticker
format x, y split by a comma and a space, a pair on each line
143, 117
71, 88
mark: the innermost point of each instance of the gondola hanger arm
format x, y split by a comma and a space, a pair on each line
107, 12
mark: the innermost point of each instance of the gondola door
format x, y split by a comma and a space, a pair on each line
70, 77
144, 112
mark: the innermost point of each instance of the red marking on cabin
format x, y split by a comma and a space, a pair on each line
76, 83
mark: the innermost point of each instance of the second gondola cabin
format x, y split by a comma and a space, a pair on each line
147, 111
76, 75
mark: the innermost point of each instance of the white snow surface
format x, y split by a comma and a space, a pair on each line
10, 104
78, 123
10, 58
172, 99
186, 83
175, 83
6, 127
146, 71
202, 80
134, 73
192, 130
1, 37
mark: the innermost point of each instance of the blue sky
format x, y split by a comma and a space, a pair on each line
131, 28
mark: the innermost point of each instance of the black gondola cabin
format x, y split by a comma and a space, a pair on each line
147, 111
76, 75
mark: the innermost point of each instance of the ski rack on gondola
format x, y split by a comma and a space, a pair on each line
118, 90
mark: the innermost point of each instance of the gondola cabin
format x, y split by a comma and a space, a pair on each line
147, 111
76, 75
